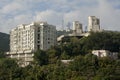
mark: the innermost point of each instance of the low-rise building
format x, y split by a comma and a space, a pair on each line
105, 53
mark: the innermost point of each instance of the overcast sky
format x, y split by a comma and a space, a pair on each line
15, 12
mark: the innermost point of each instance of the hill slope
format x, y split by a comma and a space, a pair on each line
4, 41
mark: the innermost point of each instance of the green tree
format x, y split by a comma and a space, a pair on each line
9, 69
101, 40
41, 58
53, 55
2, 55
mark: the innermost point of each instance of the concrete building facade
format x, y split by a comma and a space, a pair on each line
77, 27
26, 39
93, 24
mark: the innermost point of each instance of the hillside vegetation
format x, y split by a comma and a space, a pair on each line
4, 42
47, 65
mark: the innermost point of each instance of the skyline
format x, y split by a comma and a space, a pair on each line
15, 12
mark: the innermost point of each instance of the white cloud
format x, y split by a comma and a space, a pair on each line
10, 8
25, 11
108, 15
26, 18
50, 16
13, 22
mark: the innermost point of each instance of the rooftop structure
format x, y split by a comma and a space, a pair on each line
76, 32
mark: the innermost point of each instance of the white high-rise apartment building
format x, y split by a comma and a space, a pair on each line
26, 39
93, 24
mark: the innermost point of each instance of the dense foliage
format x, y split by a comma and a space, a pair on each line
103, 40
47, 65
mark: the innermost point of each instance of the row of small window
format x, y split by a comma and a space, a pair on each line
46, 30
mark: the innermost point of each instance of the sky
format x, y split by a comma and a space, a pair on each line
16, 12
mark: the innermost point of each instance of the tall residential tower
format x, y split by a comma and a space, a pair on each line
77, 27
26, 39
93, 24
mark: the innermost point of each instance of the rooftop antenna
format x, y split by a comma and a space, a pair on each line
62, 24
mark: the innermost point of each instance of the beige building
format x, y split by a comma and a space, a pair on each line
93, 24
25, 39
77, 27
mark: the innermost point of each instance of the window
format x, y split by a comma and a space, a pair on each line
38, 36
38, 41
38, 47
48, 42
38, 29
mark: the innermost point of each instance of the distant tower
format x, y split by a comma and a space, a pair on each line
85, 29
93, 24
68, 26
63, 24
77, 27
